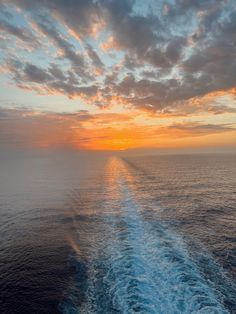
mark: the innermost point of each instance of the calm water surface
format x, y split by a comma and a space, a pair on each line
90, 233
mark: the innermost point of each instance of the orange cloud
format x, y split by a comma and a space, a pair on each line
110, 44
108, 131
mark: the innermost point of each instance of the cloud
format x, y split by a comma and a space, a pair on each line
87, 12
200, 129
170, 60
18, 32
77, 60
51, 80
58, 74
35, 74
24, 38
24, 127
94, 57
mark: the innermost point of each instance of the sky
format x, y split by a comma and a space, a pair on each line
118, 74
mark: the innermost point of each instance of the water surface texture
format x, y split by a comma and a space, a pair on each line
102, 234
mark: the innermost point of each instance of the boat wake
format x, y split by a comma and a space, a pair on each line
136, 264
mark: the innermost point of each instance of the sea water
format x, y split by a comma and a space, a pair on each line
97, 233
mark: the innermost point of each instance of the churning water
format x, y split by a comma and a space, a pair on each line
100, 234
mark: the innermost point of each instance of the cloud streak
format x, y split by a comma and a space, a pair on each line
82, 130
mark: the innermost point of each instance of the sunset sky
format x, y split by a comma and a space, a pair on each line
118, 74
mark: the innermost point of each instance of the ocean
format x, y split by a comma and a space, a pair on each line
96, 233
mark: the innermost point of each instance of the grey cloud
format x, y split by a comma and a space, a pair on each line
18, 32
4, 12
170, 96
219, 109
78, 15
94, 57
135, 33
76, 59
72, 78
201, 129
170, 58
56, 72
175, 48
51, 79
178, 8
157, 58
73, 90
35, 74
216, 60
27, 72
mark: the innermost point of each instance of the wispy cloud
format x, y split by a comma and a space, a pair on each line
82, 130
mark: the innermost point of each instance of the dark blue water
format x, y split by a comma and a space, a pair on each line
90, 233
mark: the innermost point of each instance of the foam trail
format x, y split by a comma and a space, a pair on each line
144, 268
